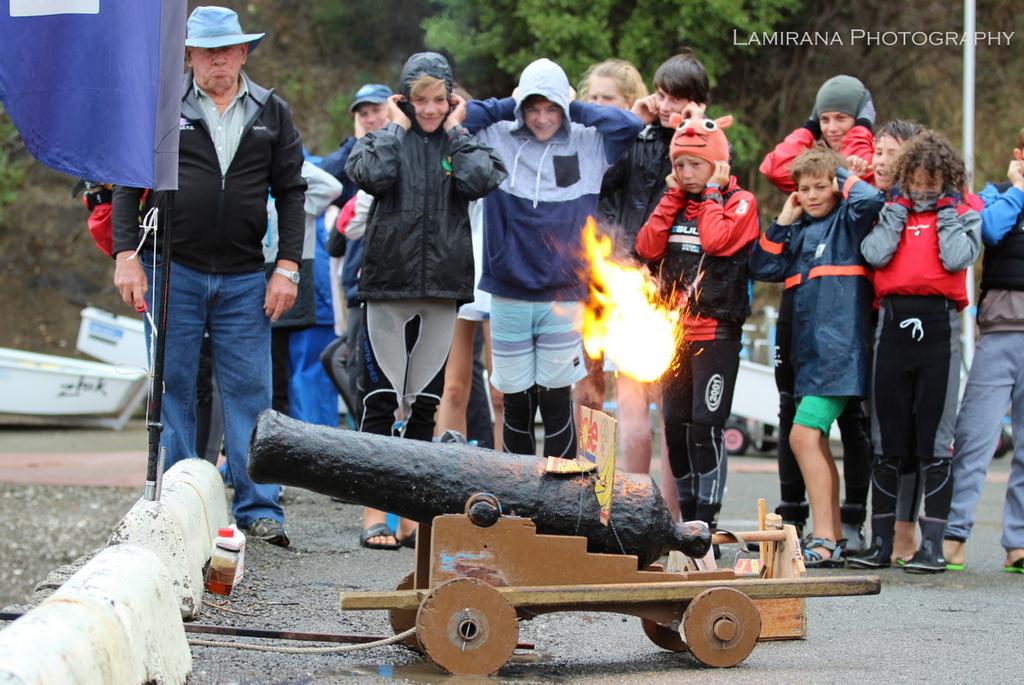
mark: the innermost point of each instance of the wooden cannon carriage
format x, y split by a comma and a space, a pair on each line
479, 573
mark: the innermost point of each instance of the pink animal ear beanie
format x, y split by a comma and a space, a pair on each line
703, 138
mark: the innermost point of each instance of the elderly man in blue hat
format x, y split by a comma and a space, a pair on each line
237, 140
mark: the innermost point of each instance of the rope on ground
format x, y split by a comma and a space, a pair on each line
341, 649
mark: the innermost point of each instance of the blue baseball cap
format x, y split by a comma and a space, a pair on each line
374, 93
217, 27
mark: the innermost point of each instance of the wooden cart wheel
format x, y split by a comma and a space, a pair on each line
403, 619
467, 628
666, 638
721, 626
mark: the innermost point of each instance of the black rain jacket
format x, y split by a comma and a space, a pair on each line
632, 187
417, 239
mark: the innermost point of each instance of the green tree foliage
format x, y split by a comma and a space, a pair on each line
492, 42
14, 162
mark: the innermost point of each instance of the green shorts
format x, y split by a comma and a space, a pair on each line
819, 412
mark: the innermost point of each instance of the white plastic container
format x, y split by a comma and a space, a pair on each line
227, 563
112, 338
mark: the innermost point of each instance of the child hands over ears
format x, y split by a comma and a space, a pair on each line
395, 112
791, 211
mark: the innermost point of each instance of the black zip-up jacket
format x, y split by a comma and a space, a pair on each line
632, 187
417, 242
220, 221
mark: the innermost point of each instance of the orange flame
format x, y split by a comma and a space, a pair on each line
623, 317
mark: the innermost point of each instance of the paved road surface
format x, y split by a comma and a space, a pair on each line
954, 628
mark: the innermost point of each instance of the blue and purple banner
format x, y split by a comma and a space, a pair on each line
94, 86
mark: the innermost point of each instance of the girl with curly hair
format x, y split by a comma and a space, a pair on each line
925, 239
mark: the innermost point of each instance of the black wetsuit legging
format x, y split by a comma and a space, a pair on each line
916, 386
853, 427
556, 411
696, 401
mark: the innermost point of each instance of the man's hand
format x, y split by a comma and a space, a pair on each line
721, 175
458, 113
130, 280
281, 292
395, 112
646, 109
791, 211
1015, 174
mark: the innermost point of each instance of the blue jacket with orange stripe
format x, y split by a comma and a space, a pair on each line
821, 258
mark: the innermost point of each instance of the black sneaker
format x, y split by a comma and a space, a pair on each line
876, 557
927, 559
268, 530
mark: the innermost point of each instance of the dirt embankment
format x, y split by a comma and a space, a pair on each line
49, 267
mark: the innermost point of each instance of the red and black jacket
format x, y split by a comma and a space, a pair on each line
700, 245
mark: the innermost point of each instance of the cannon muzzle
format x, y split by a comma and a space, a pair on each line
420, 480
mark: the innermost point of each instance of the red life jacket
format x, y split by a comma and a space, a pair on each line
915, 268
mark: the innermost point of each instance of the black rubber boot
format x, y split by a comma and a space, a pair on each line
928, 558
708, 513
880, 553
688, 510
794, 515
852, 517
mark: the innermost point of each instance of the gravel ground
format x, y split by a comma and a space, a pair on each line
50, 526
954, 627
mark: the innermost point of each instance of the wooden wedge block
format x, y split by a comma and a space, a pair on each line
782, 619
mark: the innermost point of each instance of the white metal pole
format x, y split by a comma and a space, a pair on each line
968, 131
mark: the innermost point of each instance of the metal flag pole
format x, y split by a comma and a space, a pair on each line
967, 318
154, 468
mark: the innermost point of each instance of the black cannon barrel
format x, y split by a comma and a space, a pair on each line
420, 480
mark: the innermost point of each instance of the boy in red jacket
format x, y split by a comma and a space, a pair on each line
842, 118
701, 234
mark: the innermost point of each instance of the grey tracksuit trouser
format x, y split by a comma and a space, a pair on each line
996, 381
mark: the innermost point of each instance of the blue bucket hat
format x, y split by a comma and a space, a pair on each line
374, 93
217, 27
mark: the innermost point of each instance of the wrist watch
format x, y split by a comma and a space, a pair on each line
292, 276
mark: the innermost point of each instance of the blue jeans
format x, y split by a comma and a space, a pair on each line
230, 307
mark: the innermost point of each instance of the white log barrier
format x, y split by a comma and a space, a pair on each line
115, 621
180, 528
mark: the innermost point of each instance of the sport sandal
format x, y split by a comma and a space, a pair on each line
814, 559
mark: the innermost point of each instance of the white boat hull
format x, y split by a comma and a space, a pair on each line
46, 389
